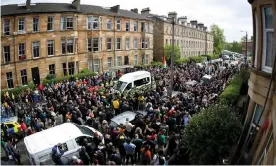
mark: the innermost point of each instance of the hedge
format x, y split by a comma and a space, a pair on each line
156, 64
235, 88
182, 60
18, 90
212, 57
198, 59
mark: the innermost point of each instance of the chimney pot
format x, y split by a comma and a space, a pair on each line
76, 4
28, 4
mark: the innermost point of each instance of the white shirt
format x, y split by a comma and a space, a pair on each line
128, 126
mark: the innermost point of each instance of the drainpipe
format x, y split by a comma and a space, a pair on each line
14, 47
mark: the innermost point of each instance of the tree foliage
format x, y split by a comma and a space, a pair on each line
168, 51
212, 133
233, 46
219, 38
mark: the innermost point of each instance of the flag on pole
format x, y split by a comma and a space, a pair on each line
164, 62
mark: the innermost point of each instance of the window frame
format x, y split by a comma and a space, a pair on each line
147, 27
147, 59
109, 23
63, 44
21, 22
53, 47
128, 43
127, 26
118, 23
50, 23
71, 68
256, 38
6, 33
118, 43
121, 61
35, 24
52, 69
21, 50
265, 32
96, 65
33, 52
136, 44
67, 45
64, 23
93, 44
108, 42
109, 61
24, 76
135, 59
135, 26
8, 79
5, 53
65, 71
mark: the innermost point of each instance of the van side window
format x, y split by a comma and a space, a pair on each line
129, 86
138, 82
80, 140
63, 147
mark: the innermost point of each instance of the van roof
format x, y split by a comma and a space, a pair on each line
129, 77
49, 138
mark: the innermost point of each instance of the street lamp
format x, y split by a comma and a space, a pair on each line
172, 19
245, 47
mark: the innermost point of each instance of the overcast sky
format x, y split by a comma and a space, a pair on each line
231, 15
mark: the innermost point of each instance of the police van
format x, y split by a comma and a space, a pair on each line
69, 136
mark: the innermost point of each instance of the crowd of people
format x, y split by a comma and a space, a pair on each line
151, 139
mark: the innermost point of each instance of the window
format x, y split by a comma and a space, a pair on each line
135, 43
6, 27
109, 44
127, 43
21, 51
166, 41
96, 65
135, 27
71, 68
135, 59
127, 26
142, 43
118, 43
95, 46
7, 54
142, 27
21, 24
256, 116
63, 47
119, 60
256, 40
50, 46
141, 82
52, 69
35, 24
35, 49
67, 23
267, 148
92, 22
146, 27
147, 59
109, 61
268, 38
118, 25
50, 23
24, 77
70, 46
9, 79
64, 67
147, 43
109, 25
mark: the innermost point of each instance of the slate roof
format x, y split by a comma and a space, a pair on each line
14, 9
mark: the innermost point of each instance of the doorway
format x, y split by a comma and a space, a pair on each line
35, 75
126, 60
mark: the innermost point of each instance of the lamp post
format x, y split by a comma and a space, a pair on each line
172, 19
245, 59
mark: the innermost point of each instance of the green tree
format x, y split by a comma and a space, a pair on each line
211, 134
219, 38
168, 52
236, 47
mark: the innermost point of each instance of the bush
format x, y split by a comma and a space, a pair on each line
156, 64
197, 59
182, 61
50, 76
235, 88
86, 71
211, 134
212, 57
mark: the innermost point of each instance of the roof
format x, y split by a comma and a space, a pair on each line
121, 118
49, 138
14, 9
132, 76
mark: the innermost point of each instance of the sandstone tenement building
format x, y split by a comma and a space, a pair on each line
60, 38
192, 37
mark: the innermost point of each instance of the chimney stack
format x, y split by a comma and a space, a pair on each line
145, 11
76, 4
182, 20
28, 4
115, 8
205, 29
189, 24
135, 10
194, 23
172, 15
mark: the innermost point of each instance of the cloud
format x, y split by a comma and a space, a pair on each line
232, 16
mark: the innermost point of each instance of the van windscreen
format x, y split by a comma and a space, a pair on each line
85, 130
120, 85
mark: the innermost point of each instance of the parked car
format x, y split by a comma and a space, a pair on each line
225, 57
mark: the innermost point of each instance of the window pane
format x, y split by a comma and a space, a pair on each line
268, 18
70, 46
257, 113
270, 49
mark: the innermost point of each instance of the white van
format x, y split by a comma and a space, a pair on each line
136, 79
69, 135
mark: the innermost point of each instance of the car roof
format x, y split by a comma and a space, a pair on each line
49, 138
129, 77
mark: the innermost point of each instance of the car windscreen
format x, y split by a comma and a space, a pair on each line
85, 130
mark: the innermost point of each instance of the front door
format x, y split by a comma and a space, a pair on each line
35, 75
126, 60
